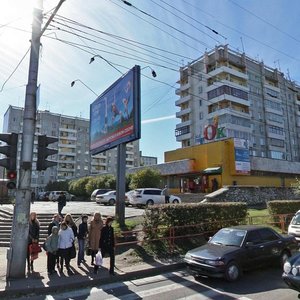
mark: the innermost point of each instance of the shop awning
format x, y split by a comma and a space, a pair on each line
216, 170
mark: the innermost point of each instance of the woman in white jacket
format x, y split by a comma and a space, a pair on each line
65, 243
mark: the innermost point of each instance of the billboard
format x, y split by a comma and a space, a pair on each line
242, 157
115, 116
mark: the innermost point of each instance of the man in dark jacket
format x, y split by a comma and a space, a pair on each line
107, 243
61, 202
81, 237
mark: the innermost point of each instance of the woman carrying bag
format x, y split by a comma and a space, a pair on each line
95, 234
33, 241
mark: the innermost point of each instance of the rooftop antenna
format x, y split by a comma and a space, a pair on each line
288, 75
242, 44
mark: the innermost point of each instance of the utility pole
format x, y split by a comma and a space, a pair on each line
120, 195
17, 253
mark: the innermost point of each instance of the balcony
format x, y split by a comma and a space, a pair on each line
228, 83
62, 129
183, 87
276, 136
183, 137
229, 111
182, 100
229, 70
182, 124
183, 112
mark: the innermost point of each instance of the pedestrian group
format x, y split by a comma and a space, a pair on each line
95, 239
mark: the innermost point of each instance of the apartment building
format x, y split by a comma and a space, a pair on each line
73, 158
226, 94
147, 160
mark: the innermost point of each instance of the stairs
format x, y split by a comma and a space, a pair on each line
6, 219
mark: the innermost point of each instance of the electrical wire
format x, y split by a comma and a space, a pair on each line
166, 32
162, 22
184, 20
264, 21
15, 69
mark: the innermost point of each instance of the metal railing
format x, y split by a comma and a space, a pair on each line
205, 229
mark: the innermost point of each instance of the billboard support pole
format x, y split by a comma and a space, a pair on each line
121, 171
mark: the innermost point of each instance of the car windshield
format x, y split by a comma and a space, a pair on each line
228, 237
296, 220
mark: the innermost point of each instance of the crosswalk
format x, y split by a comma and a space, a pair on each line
175, 285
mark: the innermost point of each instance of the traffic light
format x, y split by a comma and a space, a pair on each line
10, 150
12, 179
44, 152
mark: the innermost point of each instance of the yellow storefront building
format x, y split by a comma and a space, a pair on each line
207, 167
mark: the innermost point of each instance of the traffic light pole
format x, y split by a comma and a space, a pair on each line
17, 253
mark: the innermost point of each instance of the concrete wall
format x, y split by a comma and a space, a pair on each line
252, 195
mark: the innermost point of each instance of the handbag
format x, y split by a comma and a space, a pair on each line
98, 259
72, 251
88, 251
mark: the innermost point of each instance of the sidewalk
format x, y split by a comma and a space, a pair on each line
38, 282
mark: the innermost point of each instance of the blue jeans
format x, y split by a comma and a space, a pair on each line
80, 255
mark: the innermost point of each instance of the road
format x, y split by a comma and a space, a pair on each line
81, 207
258, 285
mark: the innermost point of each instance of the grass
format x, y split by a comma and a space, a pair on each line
130, 224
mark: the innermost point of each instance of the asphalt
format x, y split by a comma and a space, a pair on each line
40, 283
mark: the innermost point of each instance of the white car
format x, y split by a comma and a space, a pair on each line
53, 196
150, 196
98, 192
294, 227
107, 198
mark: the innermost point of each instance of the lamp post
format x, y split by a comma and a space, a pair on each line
152, 71
73, 82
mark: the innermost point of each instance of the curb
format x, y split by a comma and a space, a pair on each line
88, 282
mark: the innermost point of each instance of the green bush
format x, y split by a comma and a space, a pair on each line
209, 217
146, 178
278, 207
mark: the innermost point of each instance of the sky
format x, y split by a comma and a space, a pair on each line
160, 35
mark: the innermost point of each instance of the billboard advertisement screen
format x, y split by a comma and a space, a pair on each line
115, 115
242, 156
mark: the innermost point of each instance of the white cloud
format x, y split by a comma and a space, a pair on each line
158, 119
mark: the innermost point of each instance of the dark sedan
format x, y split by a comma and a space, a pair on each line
232, 250
291, 273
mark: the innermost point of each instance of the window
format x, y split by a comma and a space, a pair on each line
262, 141
277, 154
200, 102
200, 115
268, 235
224, 89
254, 237
277, 143
276, 130
200, 89
271, 93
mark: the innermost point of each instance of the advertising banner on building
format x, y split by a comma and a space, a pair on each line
242, 157
115, 114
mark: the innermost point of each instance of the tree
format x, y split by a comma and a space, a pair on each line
57, 186
100, 182
146, 178
78, 186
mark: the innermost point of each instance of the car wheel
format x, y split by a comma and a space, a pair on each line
284, 256
111, 202
232, 272
175, 201
150, 203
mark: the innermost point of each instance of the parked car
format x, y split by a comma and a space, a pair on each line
107, 198
53, 196
128, 196
98, 192
294, 227
236, 249
43, 196
150, 196
291, 273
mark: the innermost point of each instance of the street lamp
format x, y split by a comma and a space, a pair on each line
73, 82
152, 71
